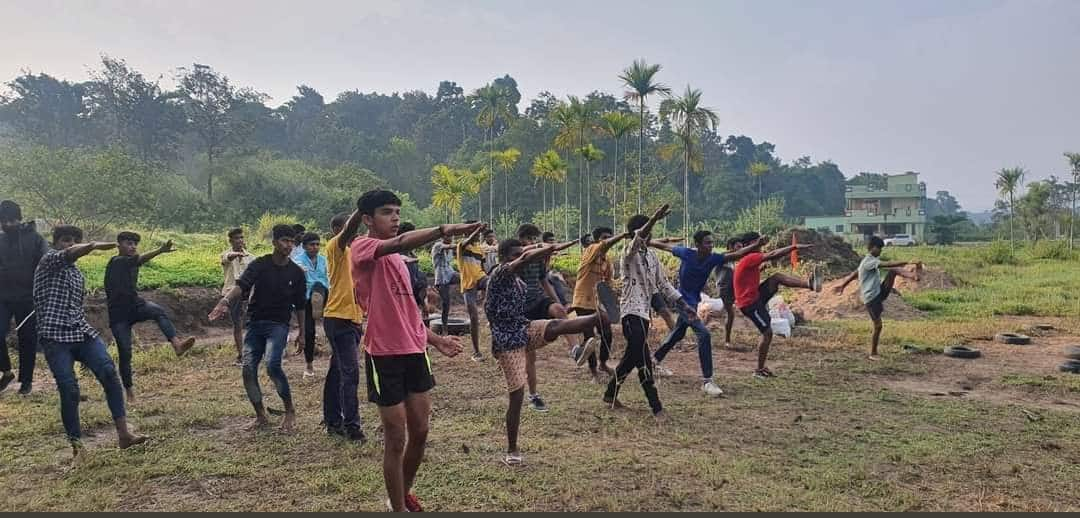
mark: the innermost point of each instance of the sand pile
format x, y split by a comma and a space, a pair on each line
835, 256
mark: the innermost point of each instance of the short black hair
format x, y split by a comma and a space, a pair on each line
700, 236
299, 229
10, 211
875, 241
371, 200
235, 233
547, 235
585, 240
750, 237
309, 238
734, 242
282, 230
405, 227
339, 221
128, 236
528, 230
61, 231
599, 231
506, 245
636, 222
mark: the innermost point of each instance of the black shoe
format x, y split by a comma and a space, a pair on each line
335, 430
354, 433
25, 389
6, 380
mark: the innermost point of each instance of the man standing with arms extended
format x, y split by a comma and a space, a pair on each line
21, 248
233, 263
397, 366
342, 320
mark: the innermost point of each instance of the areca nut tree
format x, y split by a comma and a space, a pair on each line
449, 190
504, 161
589, 153
492, 101
1008, 181
640, 81
617, 125
689, 118
1074, 164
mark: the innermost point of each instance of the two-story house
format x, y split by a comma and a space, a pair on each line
898, 209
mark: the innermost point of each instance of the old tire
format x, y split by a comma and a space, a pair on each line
960, 351
1072, 352
1072, 366
1013, 338
454, 326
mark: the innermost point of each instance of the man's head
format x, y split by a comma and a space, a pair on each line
236, 239
65, 236
337, 223
127, 243
528, 234
602, 234
636, 222
299, 230
548, 238
510, 249
585, 240
284, 239
703, 241
489, 237
734, 244
311, 244
749, 237
10, 216
406, 227
874, 245
380, 211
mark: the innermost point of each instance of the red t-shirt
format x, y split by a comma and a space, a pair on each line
747, 279
384, 290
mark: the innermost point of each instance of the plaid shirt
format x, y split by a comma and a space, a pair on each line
59, 289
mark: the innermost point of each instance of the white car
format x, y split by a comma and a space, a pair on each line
900, 240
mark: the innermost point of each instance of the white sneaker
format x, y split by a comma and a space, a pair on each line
712, 389
589, 348
660, 370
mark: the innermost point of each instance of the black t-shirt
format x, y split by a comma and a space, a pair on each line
121, 287
532, 273
277, 291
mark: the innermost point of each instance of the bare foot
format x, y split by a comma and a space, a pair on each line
873, 357
130, 393
258, 424
180, 347
288, 423
661, 418
130, 440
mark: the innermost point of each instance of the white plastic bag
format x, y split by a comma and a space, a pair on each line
778, 309
782, 327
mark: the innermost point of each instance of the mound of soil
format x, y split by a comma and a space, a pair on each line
186, 307
835, 256
930, 279
830, 306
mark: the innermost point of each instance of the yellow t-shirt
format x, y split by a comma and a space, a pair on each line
595, 267
341, 302
470, 260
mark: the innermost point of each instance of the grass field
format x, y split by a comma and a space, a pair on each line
833, 432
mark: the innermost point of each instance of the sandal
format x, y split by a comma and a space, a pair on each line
513, 460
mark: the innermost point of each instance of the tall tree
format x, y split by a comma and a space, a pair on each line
640, 80
617, 125
450, 186
208, 98
589, 153
146, 119
759, 170
1074, 165
1007, 183
493, 103
690, 118
47, 110
550, 167
505, 161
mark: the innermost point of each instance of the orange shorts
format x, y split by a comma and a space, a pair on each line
513, 362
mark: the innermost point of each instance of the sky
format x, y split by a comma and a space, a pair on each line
952, 89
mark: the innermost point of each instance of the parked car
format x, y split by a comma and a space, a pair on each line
900, 240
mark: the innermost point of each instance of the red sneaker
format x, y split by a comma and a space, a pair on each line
413, 504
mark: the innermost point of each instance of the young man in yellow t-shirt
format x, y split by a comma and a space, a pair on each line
470, 261
342, 320
594, 269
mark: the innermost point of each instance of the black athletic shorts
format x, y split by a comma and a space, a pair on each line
758, 312
877, 306
539, 310
390, 379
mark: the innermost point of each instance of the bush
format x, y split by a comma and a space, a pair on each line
265, 230
1051, 250
1000, 252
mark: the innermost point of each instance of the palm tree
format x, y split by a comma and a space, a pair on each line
1008, 181
639, 78
450, 187
1074, 163
505, 161
589, 153
550, 167
492, 101
689, 118
565, 119
759, 170
617, 125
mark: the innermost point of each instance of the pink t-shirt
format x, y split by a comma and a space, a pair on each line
384, 291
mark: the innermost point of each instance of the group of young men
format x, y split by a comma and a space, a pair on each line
372, 278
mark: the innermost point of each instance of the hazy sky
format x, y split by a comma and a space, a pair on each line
954, 89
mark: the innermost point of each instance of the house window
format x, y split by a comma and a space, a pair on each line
840, 229
909, 211
908, 187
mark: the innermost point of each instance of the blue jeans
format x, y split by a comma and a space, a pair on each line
341, 406
122, 334
259, 334
92, 353
19, 310
704, 341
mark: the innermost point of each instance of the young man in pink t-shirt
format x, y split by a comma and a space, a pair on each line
397, 366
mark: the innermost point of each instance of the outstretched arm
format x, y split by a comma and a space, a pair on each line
847, 280
642, 235
348, 233
531, 255
475, 235
74, 252
610, 242
740, 253
662, 245
164, 249
418, 238
781, 252
896, 264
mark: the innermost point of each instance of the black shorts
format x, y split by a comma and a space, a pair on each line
390, 379
758, 312
657, 302
877, 306
539, 310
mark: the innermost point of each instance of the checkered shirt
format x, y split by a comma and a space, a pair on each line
59, 289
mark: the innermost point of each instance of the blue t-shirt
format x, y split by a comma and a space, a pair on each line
694, 272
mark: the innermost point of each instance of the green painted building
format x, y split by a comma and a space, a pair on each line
898, 209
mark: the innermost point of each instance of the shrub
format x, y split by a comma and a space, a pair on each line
999, 252
1051, 250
